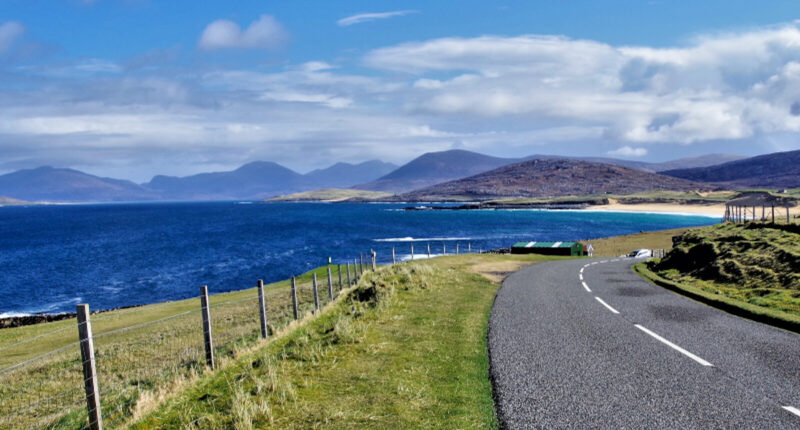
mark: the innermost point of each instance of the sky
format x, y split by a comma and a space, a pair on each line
134, 88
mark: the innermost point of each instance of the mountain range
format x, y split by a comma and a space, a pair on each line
551, 178
776, 170
251, 181
263, 179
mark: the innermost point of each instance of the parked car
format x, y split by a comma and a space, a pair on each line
641, 253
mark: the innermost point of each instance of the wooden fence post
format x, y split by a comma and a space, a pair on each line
393, 260
374, 266
339, 271
209, 345
412, 252
429, 250
349, 283
469, 247
90, 384
788, 220
361, 262
316, 295
330, 285
262, 309
444, 248
356, 275
456, 248
294, 299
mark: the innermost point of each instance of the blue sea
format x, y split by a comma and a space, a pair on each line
114, 255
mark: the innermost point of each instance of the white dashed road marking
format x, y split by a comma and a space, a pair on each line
673, 346
792, 410
586, 287
606, 305
580, 276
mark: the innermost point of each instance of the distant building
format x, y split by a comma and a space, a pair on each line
548, 248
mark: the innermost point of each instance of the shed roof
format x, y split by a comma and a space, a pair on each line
535, 244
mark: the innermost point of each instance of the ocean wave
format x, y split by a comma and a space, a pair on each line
421, 239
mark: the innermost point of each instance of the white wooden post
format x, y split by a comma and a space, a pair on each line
393, 260
339, 271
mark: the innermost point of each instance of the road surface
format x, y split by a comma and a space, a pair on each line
589, 344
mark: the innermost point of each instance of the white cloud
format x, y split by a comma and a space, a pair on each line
366, 17
507, 96
10, 31
628, 152
723, 86
264, 33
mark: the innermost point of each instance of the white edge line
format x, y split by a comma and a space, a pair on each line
586, 287
606, 305
580, 276
792, 409
675, 347
582, 269
604, 261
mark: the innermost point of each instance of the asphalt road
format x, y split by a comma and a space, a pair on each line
589, 344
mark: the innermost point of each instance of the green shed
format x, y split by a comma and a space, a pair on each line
574, 249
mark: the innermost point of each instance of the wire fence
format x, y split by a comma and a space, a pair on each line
123, 362
139, 355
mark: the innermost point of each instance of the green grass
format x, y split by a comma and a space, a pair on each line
723, 299
751, 266
622, 245
149, 359
405, 349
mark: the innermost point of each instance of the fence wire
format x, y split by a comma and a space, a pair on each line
138, 361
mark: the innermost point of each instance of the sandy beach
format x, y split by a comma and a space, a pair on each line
707, 210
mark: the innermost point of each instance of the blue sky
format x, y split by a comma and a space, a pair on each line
133, 88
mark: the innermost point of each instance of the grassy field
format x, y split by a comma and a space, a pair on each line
404, 349
141, 353
750, 263
622, 245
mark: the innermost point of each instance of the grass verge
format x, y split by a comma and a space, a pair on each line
405, 348
743, 309
142, 354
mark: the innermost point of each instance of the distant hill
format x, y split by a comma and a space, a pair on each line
68, 185
343, 175
550, 178
6, 201
256, 180
330, 195
693, 162
777, 170
433, 168
263, 179
436, 167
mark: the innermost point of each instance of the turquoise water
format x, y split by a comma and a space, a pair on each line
53, 257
